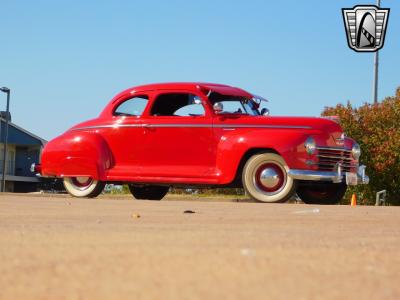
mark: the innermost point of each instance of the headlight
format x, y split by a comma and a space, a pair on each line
356, 151
310, 145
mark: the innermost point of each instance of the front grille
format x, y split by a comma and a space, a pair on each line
329, 158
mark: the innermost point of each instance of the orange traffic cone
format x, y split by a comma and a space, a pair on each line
353, 200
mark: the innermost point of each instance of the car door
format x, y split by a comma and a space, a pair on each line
124, 134
178, 137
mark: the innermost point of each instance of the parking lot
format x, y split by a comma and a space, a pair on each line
58, 247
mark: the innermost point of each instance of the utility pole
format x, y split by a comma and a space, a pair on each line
376, 65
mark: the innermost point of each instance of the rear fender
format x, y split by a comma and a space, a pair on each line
77, 153
79, 166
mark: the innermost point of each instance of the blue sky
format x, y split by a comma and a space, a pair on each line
65, 60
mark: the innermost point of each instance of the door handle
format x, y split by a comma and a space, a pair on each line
148, 127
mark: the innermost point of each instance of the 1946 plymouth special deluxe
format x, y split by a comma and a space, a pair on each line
155, 136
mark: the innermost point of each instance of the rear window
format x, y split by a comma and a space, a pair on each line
132, 107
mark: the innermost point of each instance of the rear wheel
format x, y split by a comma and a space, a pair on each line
323, 193
83, 186
265, 178
150, 192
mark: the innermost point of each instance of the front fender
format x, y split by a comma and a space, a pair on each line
77, 153
234, 145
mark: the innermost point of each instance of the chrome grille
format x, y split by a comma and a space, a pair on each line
328, 158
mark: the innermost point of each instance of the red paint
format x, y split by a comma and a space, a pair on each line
184, 150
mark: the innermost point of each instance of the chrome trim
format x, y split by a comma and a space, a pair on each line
192, 126
178, 125
107, 126
362, 174
334, 157
336, 177
329, 157
261, 126
315, 175
334, 148
32, 168
333, 164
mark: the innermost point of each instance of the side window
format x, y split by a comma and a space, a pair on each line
177, 104
132, 107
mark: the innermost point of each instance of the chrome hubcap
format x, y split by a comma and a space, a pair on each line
83, 180
269, 178
81, 183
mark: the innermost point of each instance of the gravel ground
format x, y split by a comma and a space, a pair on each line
57, 247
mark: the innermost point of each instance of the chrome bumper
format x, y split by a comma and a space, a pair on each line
350, 178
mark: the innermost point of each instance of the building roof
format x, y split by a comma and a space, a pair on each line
20, 136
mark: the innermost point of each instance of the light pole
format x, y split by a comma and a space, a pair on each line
3, 177
376, 65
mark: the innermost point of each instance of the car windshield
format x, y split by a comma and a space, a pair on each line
234, 104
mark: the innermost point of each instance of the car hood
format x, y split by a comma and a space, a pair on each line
315, 123
326, 128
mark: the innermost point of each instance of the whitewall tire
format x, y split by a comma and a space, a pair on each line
83, 186
265, 178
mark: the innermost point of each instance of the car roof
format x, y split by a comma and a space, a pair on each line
188, 86
185, 86
177, 85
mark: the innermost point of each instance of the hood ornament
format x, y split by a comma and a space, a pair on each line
340, 141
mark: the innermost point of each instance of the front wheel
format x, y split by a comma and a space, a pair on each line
83, 186
149, 192
322, 193
265, 178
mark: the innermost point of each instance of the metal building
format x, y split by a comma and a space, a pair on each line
23, 149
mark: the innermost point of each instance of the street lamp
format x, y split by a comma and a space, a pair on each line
3, 177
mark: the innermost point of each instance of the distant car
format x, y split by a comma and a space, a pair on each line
155, 136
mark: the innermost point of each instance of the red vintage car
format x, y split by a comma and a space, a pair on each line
155, 136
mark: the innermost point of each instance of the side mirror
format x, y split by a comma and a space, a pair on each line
265, 112
218, 107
